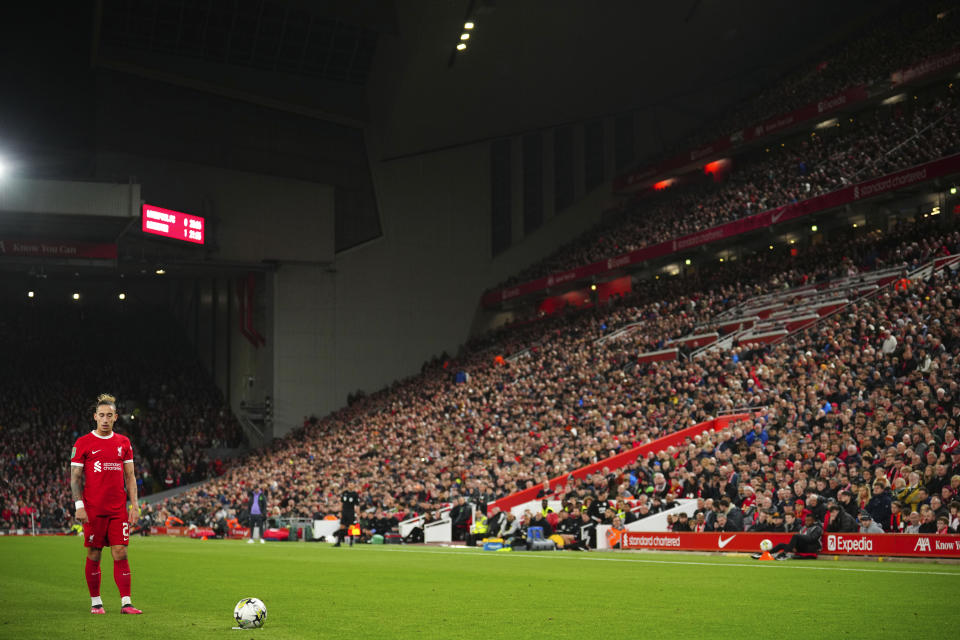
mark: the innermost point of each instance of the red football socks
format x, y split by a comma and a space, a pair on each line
121, 573
92, 572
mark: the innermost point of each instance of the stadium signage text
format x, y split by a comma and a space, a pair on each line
57, 249
885, 544
928, 67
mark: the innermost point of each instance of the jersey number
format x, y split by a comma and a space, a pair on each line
126, 529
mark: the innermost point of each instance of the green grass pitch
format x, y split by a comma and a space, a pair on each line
187, 589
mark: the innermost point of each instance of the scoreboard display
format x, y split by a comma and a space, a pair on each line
172, 224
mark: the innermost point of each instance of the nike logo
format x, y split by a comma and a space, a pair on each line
722, 543
95, 452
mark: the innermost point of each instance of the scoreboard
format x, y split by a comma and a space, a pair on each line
172, 224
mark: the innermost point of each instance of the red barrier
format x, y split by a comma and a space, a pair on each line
854, 544
620, 460
733, 541
930, 66
236, 533
921, 173
276, 534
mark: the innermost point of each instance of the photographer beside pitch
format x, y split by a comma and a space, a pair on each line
101, 465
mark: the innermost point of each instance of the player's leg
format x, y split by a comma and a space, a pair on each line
256, 528
781, 551
93, 541
118, 533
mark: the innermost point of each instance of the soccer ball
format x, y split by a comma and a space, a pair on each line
765, 545
250, 613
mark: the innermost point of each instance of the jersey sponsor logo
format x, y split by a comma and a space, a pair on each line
96, 466
722, 543
112, 466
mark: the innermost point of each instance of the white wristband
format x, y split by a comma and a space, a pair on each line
78, 504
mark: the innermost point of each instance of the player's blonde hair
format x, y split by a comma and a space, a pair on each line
106, 398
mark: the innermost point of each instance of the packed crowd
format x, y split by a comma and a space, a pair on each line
56, 362
846, 416
919, 29
567, 400
868, 146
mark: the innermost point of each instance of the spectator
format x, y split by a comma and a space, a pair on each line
840, 520
867, 525
913, 525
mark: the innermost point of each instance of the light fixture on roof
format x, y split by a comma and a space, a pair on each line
687, 262
30, 294
461, 46
122, 296
813, 228
76, 296
468, 25
160, 272
464, 36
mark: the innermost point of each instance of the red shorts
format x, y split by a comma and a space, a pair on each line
106, 531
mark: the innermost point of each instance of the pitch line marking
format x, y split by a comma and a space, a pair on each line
778, 565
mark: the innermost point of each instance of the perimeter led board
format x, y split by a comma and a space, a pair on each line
172, 224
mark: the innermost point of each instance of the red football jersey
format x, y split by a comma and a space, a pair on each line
102, 459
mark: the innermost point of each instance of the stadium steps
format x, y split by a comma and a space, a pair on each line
622, 459
773, 317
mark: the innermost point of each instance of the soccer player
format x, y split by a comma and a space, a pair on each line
100, 467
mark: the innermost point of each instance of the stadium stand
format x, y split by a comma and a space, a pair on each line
920, 30
171, 410
873, 144
852, 398
559, 397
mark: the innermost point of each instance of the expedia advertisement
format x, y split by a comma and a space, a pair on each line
888, 544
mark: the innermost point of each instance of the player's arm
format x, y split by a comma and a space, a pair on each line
130, 480
76, 488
